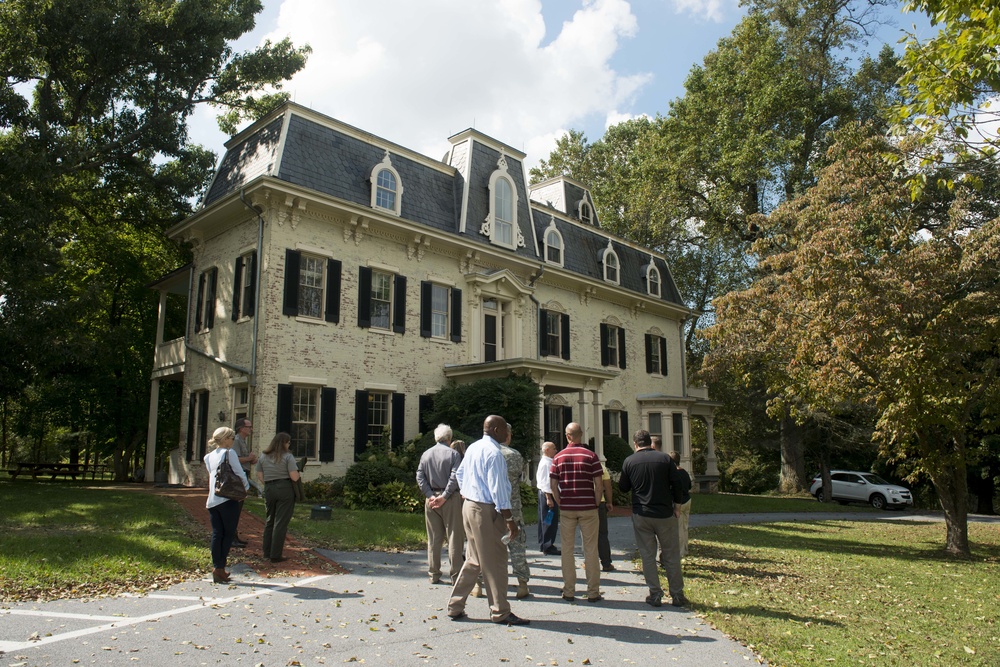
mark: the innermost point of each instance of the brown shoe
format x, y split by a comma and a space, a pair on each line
522, 589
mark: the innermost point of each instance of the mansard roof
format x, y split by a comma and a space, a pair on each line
307, 149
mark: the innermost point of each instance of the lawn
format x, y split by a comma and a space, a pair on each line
846, 593
68, 539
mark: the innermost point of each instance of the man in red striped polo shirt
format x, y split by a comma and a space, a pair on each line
576, 486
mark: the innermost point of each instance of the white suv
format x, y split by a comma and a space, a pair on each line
850, 486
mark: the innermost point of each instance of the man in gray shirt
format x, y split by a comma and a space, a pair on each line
243, 428
443, 504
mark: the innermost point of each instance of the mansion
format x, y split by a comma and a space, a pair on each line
338, 280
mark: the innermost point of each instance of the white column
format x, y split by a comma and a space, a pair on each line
582, 414
154, 409
161, 318
686, 442
711, 467
598, 424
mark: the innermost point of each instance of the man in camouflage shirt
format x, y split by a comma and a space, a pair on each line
516, 547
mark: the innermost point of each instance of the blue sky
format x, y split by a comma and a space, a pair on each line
523, 71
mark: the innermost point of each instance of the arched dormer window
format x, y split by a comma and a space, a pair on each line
652, 279
387, 188
586, 214
501, 223
611, 264
553, 244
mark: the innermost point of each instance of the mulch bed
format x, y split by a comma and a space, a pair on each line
303, 561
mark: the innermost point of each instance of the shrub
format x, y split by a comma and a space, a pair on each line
365, 474
396, 496
749, 474
324, 487
616, 450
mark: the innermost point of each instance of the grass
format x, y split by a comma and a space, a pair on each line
844, 593
731, 503
355, 530
64, 539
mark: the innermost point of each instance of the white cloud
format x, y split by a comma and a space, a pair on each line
417, 72
711, 10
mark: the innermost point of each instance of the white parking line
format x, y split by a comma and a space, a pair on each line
124, 621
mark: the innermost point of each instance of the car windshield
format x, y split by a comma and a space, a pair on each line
875, 479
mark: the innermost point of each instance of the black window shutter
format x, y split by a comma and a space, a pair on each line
606, 422
327, 423
567, 415
290, 306
621, 348
546, 425
649, 353
399, 305
360, 422
425, 403
625, 433
200, 304
426, 289
543, 333
237, 281
398, 420
213, 284
333, 268
364, 301
283, 418
456, 315
251, 304
565, 336
663, 356
189, 454
605, 353
202, 424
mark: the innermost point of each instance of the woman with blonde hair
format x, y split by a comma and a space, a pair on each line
277, 470
224, 512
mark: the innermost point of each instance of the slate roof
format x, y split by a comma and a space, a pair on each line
331, 158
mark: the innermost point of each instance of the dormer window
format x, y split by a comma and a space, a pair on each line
611, 264
553, 244
652, 279
501, 223
586, 215
387, 188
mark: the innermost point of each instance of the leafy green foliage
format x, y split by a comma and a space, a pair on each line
396, 496
325, 488
616, 450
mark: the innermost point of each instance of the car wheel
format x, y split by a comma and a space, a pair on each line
819, 495
878, 501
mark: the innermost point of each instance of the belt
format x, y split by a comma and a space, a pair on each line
437, 490
275, 481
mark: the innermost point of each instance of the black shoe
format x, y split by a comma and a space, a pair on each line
597, 598
568, 598
279, 559
654, 599
460, 616
239, 544
552, 551
608, 568
679, 601
514, 620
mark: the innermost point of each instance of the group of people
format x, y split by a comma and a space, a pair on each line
276, 470
473, 502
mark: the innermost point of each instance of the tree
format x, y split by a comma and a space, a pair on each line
877, 301
95, 165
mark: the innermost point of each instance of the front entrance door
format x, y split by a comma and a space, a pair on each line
493, 330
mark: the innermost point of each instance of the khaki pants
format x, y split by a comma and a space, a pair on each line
589, 525
443, 524
682, 527
485, 555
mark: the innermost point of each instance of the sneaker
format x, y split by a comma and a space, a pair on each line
654, 599
679, 601
596, 598
460, 616
513, 619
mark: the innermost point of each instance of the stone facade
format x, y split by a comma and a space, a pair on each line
361, 305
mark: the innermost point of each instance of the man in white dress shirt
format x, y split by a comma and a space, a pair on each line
547, 530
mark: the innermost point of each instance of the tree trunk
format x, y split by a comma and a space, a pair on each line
793, 465
952, 488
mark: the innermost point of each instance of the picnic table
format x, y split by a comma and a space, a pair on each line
60, 470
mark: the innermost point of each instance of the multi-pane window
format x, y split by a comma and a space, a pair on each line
612, 345
656, 424
311, 281
379, 412
553, 333
249, 282
678, 424
611, 267
439, 311
585, 216
241, 399
504, 213
305, 421
381, 300
656, 354
553, 247
654, 281
615, 423
654, 358
385, 190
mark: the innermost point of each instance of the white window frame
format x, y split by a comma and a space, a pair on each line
611, 263
656, 429
586, 213
554, 335
654, 355
491, 227
560, 247
377, 438
615, 422
305, 413
386, 165
653, 278
304, 260
380, 274
248, 279
440, 329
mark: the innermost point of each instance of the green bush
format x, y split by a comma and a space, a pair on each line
324, 487
616, 450
749, 474
396, 496
365, 474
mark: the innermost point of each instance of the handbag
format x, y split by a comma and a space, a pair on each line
227, 483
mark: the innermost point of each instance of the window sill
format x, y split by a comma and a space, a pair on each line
309, 320
382, 332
